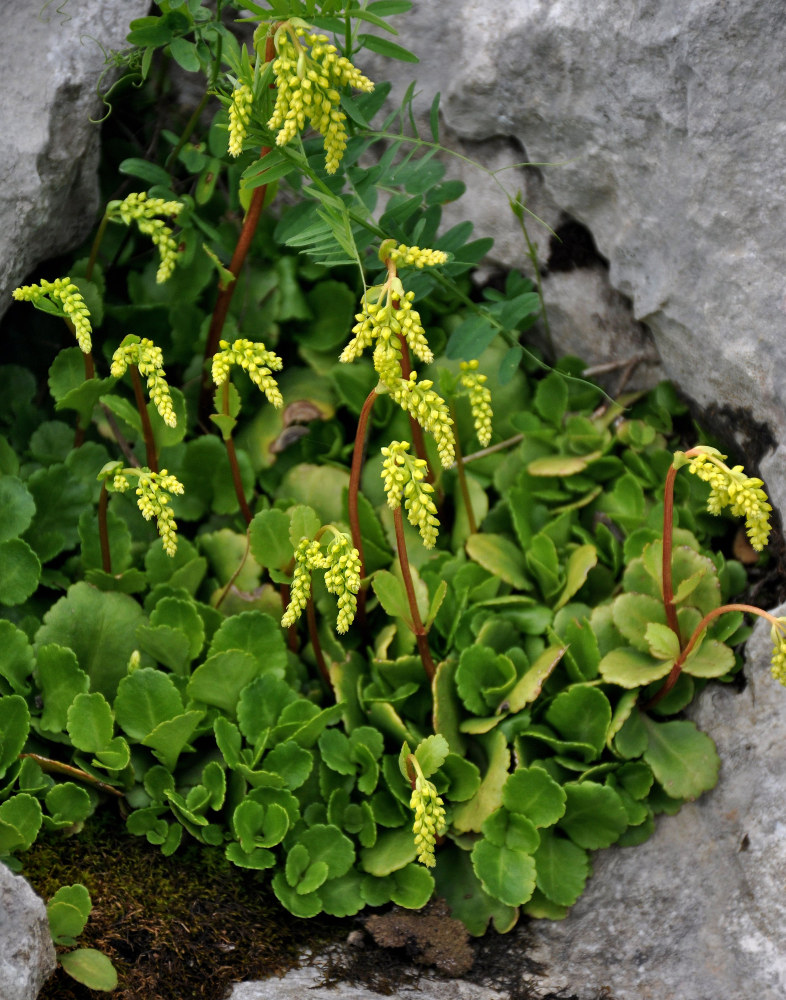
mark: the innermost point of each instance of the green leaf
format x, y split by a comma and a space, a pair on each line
580, 562
662, 642
594, 814
431, 754
60, 680
144, 699
20, 821
470, 816
581, 713
392, 596
68, 803
710, 659
220, 679
534, 793
562, 869
292, 762
683, 759
254, 633
68, 911
469, 902
172, 736
393, 850
17, 505
100, 627
385, 48
269, 538
551, 398
16, 657
505, 874
512, 830
496, 554
14, 727
411, 886
631, 668
530, 684
90, 722
90, 967
483, 678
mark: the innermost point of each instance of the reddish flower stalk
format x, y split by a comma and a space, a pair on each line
237, 480
103, 531
462, 476
420, 631
313, 635
676, 670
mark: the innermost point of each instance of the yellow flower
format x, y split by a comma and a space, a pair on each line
404, 256
62, 292
239, 116
309, 73
404, 477
342, 578
256, 359
732, 488
429, 409
308, 557
778, 662
137, 207
429, 816
479, 400
153, 498
149, 360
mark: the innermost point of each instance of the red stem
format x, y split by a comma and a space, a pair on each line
313, 634
668, 541
420, 632
676, 670
103, 532
354, 476
462, 476
417, 431
147, 427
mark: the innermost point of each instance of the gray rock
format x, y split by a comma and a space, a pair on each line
299, 983
52, 58
27, 955
697, 912
662, 121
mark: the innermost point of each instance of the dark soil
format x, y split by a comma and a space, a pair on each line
190, 926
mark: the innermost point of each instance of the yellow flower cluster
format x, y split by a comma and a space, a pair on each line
62, 292
137, 207
342, 578
384, 317
341, 563
404, 256
479, 400
732, 488
149, 360
153, 496
256, 359
239, 116
778, 662
429, 818
307, 84
404, 477
429, 409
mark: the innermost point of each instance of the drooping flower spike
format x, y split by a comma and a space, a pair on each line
309, 73
144, 354
137, 207
239, 117
429, 815
341, 564
731, 487
404, 479
479, 400
254, 358
153, 492
64, 295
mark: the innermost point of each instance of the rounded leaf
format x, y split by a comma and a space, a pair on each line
90, 967
505, 874
90, 723
20, 571
533, 792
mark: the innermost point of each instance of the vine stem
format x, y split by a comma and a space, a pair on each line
462, 476
676, 670
250, 223
103, 531
421, 636
147, 427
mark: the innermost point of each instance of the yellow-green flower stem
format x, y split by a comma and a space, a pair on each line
462, 475
153, 492
778, 639
429, 815
239, 117
479, 400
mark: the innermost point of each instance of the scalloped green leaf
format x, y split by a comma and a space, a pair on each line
562, 869
496, 554
144, 699
594, 814
630, 668
683, 759
581, 713
580, 562
16, 657
710, 658
220, 679
20, 821
14, 727
529, 686
17, 505
534, 793
507, 875
90, 722
68, 911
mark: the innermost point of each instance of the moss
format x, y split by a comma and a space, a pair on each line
185, 926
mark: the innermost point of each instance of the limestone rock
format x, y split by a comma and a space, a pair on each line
27, 955
52, 59
697, 912
299, 983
